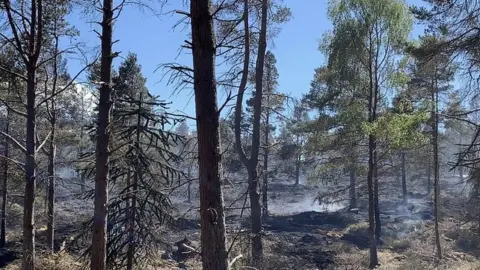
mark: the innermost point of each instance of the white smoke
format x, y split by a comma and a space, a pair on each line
307, 204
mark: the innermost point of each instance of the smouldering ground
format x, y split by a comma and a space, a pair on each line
301, 234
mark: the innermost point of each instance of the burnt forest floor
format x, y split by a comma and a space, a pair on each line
299, 233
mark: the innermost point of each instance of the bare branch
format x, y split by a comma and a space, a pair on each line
44, 141
17, 143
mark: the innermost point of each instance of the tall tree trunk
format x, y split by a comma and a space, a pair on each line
52, 152
352, 188
30, 175
212, 218
371, 203
378, 221
256, 212
404, 180
252, 162
372, 181
265, 165
99, 227
3, 223
436, 172
30, 55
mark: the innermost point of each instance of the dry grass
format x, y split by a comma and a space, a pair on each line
61, 261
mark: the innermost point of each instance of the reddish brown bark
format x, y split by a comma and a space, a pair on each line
212, 218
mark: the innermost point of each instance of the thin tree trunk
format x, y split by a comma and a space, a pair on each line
460, 170
99, 227
395, 171
52, 153
404, 180
82, 175
51, 191
378, 221
297, 170
352, 189
212, 218
133, 208
436, 173
429, 177
128, 213
297, 162
83, 180
265, 164
189, 185
131, 232
3, 224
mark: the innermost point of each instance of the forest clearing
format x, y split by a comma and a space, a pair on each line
373, 163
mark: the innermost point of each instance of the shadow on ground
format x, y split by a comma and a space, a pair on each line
8, 254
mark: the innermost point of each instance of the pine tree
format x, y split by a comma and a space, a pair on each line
141, 169
382, 28
432, 77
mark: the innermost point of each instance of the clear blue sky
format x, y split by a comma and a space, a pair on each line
155, 42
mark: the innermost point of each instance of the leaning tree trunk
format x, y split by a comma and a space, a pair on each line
3, 222
404, 180
99, 227
212, 218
